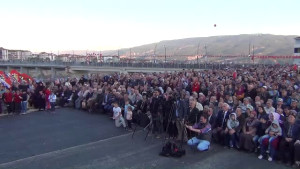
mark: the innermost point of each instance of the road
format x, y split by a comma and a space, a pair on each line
74, 139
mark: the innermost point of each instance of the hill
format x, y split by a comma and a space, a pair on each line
264, 44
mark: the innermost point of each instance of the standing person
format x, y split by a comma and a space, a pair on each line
47, 103
156, 114
181, 115
8, 100
52, 100
203, 129
2, 91
41, 100
17, 101
129, 117
119, 120
126, 106
24, 102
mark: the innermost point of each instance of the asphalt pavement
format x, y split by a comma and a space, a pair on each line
74, 139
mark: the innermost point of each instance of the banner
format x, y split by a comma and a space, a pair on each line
15, 75
26, 77
5, 80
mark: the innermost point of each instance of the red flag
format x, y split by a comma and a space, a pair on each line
295, 67
26, 77
15, 74
234, 75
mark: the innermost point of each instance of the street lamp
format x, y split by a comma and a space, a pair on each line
165, 54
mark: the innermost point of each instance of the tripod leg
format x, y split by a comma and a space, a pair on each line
150, 128
146, 127
183, 133
147, 134
134, 130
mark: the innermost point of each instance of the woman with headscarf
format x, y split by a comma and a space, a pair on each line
249, 131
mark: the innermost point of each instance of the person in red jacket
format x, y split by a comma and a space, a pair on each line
8, 98
47, 94
196, 86
17, 101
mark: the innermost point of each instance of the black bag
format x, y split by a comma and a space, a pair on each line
171, 149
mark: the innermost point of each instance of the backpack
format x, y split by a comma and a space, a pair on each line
171, 149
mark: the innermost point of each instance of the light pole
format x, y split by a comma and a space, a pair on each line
130, 55
154, 53
165, 54
198, 54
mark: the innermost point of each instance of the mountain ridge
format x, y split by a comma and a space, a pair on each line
263, 44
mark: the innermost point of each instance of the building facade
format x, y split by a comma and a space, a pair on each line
297, 47
3, 54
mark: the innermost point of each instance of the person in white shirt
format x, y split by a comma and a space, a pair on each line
129, 117
119, 120
52, 100
269, 108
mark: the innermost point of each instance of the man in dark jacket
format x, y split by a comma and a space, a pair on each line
203, 129
180, 114
98, 101
291, 132
156, 114
211, 116
220, 124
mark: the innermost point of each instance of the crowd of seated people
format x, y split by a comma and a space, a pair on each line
249, 109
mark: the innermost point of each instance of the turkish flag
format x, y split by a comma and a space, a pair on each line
234, 75
26, 77
15, 74
295, 67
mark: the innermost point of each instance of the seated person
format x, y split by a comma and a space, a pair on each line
203, 128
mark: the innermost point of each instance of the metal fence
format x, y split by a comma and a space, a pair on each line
174, 65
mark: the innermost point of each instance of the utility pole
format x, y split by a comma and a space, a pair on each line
198, 53
249, 49
252, 54
165, 54
130, 54
154, 53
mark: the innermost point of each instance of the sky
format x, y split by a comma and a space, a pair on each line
53, 25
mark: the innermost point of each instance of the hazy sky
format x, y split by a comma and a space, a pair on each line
51, 25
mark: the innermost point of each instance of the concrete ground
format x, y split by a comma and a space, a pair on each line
73, 139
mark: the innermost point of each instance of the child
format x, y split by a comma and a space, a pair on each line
272, 132
24, 102
119, 120
232, 123
52, 100
129, 117
261, 128
126, 106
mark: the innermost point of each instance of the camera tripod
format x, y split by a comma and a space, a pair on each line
148, 127
183, 123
